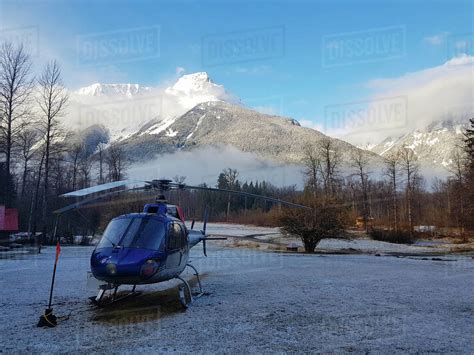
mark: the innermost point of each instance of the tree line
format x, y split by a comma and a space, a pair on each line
389, 207
39, 158
398, 196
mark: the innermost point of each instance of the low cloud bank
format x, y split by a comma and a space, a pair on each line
203, 165
403, 104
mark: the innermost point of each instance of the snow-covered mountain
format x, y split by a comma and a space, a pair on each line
222, 124
434, 145
125, 108
195, 112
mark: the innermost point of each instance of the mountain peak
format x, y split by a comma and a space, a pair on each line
98, 89
195, 88
198, 76
193, 83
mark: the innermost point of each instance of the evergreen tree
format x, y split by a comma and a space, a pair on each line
222, 182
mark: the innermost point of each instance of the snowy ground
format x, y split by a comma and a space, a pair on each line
256, 301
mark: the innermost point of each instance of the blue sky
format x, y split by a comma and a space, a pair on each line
294, 79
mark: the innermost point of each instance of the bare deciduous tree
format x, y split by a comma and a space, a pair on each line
179, 179
27, 138
85, 167
330, 159
410, 168
52, 103
458, 169
100, 160
117, 163
360, 162
74, 155
311, 165
16, 86
392, 165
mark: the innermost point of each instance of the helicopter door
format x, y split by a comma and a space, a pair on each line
175, 246
183, 241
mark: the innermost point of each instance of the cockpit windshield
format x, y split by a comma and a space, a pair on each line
133, 232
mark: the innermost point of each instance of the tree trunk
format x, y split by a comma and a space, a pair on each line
23, 181
228, 209
34, 205
46, 176
8, 192
395, 204
410, 209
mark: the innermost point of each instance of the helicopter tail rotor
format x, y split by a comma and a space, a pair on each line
206, 215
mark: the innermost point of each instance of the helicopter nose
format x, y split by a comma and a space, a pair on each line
111, 269
126, 263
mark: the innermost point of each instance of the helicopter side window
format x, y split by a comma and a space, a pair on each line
176, 236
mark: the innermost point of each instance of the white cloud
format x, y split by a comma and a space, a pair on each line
445, 92
180, 71
436, 39
203, 165
260, 69
461, 44
311, 124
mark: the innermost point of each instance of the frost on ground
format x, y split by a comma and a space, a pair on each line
265, 235
255, 301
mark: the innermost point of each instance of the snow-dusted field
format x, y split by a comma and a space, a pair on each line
256, 301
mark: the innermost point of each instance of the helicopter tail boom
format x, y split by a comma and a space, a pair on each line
195, 237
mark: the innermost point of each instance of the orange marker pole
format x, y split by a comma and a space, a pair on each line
58, 251
49, 319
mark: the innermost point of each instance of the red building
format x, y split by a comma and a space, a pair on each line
8, 219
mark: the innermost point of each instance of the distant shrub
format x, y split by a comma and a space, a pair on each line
400, 237
252, 217
324, 219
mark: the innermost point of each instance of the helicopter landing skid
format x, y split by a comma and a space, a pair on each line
101, 301
185, 291
196, 273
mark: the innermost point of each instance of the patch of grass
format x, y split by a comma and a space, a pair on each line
464, 249
400, 237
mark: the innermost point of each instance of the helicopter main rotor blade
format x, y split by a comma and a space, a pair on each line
102, 187
94, 199
242, 193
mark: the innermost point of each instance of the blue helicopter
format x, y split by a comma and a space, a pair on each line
148, 247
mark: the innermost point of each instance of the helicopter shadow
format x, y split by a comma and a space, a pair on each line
147, 306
